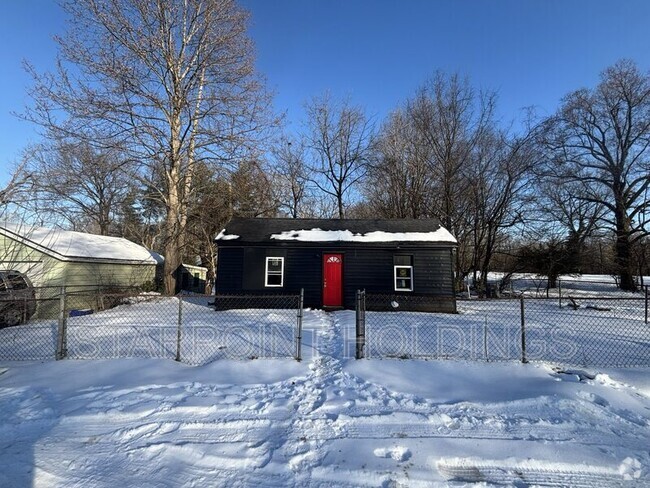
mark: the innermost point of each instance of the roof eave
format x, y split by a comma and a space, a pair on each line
296, 243
62, 257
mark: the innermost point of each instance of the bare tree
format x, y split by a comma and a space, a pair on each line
171, 81
140, 218
398, 182
290, 177
561, 224
252, 192
499, 181
450, 118
425, 164
14, 191
80, 184
600, 138
340, 135
567, 206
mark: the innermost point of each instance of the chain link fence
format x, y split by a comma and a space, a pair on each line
605, 332
195, 329
95, 324
29, 323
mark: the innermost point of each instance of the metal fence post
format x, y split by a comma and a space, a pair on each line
357, 304
62, 340
178, 329
646, 304
523, 330
559, 291
485, 341
360, 323
299, 326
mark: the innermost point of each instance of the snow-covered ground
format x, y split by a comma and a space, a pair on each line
326, 421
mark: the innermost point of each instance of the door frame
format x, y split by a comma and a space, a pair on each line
327, 254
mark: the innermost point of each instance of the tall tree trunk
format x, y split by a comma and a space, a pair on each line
104, 227
482, 284
490, 244
624, 262
174, 242
174, 221
552, 280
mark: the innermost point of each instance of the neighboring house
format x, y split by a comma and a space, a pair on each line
191, 278
80, 262
330, 259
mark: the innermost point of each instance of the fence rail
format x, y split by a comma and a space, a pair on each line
583, 331
195, 329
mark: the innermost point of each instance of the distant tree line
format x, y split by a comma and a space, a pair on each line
157, 128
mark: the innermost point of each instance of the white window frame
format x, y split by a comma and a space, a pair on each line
395, 277
266, 272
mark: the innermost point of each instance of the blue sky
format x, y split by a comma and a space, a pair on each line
378, 52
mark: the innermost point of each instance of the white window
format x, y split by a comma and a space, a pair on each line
403, 278
274, 273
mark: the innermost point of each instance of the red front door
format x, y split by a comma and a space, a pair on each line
332, 280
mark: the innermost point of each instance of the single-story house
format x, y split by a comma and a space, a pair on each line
81, 262
330, 259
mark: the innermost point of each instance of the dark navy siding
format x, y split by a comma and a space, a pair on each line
241, 270
432, 271
370, 270
229, 270
303, 270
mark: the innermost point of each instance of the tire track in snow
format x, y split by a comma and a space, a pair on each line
208, 442
515, 472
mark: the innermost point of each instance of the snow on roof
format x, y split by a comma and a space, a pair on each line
363, 231
159, 258
222, 236
319, 235
71, 245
